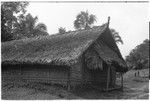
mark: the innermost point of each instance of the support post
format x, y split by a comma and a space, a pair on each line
108, 78
20, 70
82, 70
19, 77
122, 81
68, 83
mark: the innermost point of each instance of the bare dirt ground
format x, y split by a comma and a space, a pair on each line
134, 88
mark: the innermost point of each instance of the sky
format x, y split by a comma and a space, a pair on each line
129, 19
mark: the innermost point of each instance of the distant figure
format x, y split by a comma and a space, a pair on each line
138, 73
135, 74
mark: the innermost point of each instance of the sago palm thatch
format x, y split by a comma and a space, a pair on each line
59, 49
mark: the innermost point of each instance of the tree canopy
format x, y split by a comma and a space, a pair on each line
139, 56
84, 20
8, 18
16, 24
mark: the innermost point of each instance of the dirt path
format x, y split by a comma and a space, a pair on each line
139, 85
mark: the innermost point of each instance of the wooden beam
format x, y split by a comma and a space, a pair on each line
82, 68
108, 78
20, 69
68, 83
122, 81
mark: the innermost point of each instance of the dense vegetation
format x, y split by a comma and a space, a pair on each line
16, 24
139, 56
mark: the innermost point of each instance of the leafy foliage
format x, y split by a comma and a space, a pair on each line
84, 20
8, 18
41, 27
27, 27
139, 57
116, 36
16, 24
62, 30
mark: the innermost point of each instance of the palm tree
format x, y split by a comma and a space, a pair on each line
116, 36
84, 20
30, 28
62, 30
30, 23
40, 30
41, 27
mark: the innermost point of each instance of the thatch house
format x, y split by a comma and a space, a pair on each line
74, 58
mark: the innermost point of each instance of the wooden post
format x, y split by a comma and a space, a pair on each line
20, 73
20, 69
138, 73
122, 81
108, 22
108, 78
68, 83
82, 69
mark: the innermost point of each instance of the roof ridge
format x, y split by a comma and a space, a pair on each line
90, 44
57, 46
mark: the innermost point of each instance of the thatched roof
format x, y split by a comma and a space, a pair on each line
56, 49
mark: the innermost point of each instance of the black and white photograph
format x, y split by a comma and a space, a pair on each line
75, 50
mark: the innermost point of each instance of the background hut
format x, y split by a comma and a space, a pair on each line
78, 57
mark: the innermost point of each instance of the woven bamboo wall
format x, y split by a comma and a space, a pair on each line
99, 76
76, 73
94, 72
113, 76
86, 74
44, 74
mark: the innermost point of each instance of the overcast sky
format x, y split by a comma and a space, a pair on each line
129, 19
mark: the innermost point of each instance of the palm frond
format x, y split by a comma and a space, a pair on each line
92, 19
119, 41
116, 36
41, 27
